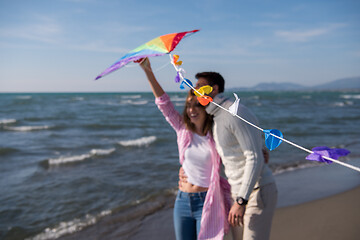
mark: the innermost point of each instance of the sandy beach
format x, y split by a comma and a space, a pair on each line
313, 203
333, 218
331, 212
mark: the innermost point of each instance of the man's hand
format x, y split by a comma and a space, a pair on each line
182, 177
266, 155
236, 215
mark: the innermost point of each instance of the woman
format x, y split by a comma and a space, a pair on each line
200, 211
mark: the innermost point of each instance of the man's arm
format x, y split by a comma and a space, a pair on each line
250, 143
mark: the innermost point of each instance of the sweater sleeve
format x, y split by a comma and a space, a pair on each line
168, 110
250, 143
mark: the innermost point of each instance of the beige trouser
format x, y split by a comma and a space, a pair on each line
258, 215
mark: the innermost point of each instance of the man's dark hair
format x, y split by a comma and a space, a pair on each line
213, 78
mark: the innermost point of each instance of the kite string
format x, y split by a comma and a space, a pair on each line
160, 68
257, 127
156, 70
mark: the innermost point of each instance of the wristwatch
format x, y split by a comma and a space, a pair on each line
241, 201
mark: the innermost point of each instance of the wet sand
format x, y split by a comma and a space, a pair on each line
332, 218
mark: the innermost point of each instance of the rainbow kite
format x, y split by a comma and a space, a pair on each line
157, 47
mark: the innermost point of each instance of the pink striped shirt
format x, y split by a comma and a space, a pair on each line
217, 201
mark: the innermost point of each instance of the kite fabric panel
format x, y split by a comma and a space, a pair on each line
157, 47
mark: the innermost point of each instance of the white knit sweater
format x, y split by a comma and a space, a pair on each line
240, 148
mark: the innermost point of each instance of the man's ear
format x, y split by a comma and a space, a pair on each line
215, 90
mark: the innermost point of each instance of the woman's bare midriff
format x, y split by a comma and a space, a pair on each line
191, 188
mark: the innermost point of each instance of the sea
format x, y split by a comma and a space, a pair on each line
70, 161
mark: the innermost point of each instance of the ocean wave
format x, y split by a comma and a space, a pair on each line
7, 121
26, 128
306, 97
77, 158
103, 126
102, 151
110, 103
131, 96
254, 97
4, 151
127, 217
343, 104
357, 96
64, 228
338, 104
281, 168
178, 99
24, 97
131, 102
278, 169
78, 98
144, 141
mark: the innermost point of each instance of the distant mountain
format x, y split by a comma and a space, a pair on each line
345, 83
340, 84
277, 86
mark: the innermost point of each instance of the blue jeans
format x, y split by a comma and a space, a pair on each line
187, 214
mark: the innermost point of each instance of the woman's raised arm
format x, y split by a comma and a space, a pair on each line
162, 100
155, 86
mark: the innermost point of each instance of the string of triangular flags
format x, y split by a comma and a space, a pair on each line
273, 137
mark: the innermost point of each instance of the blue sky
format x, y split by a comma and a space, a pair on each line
62, 45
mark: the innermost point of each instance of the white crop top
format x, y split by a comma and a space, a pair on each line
197, 161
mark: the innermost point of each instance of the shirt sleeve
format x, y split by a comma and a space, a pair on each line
168, 110
250, 143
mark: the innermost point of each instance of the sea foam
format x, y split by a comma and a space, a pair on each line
356, 96
7, 121
77, 158
131, 96
64, 228
178, 99
144, 141
27, 128
24, 97
131, 102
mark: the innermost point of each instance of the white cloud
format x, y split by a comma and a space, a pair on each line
306, 35
98, 47
300, 36
43, 29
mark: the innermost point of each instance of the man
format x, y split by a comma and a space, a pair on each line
240, 147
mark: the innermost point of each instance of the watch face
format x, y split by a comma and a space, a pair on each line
241, 201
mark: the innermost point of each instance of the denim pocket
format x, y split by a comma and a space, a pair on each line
178, 196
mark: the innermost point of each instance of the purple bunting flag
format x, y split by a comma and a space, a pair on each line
319, 152
177, 78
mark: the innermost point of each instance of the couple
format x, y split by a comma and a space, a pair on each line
204, 205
